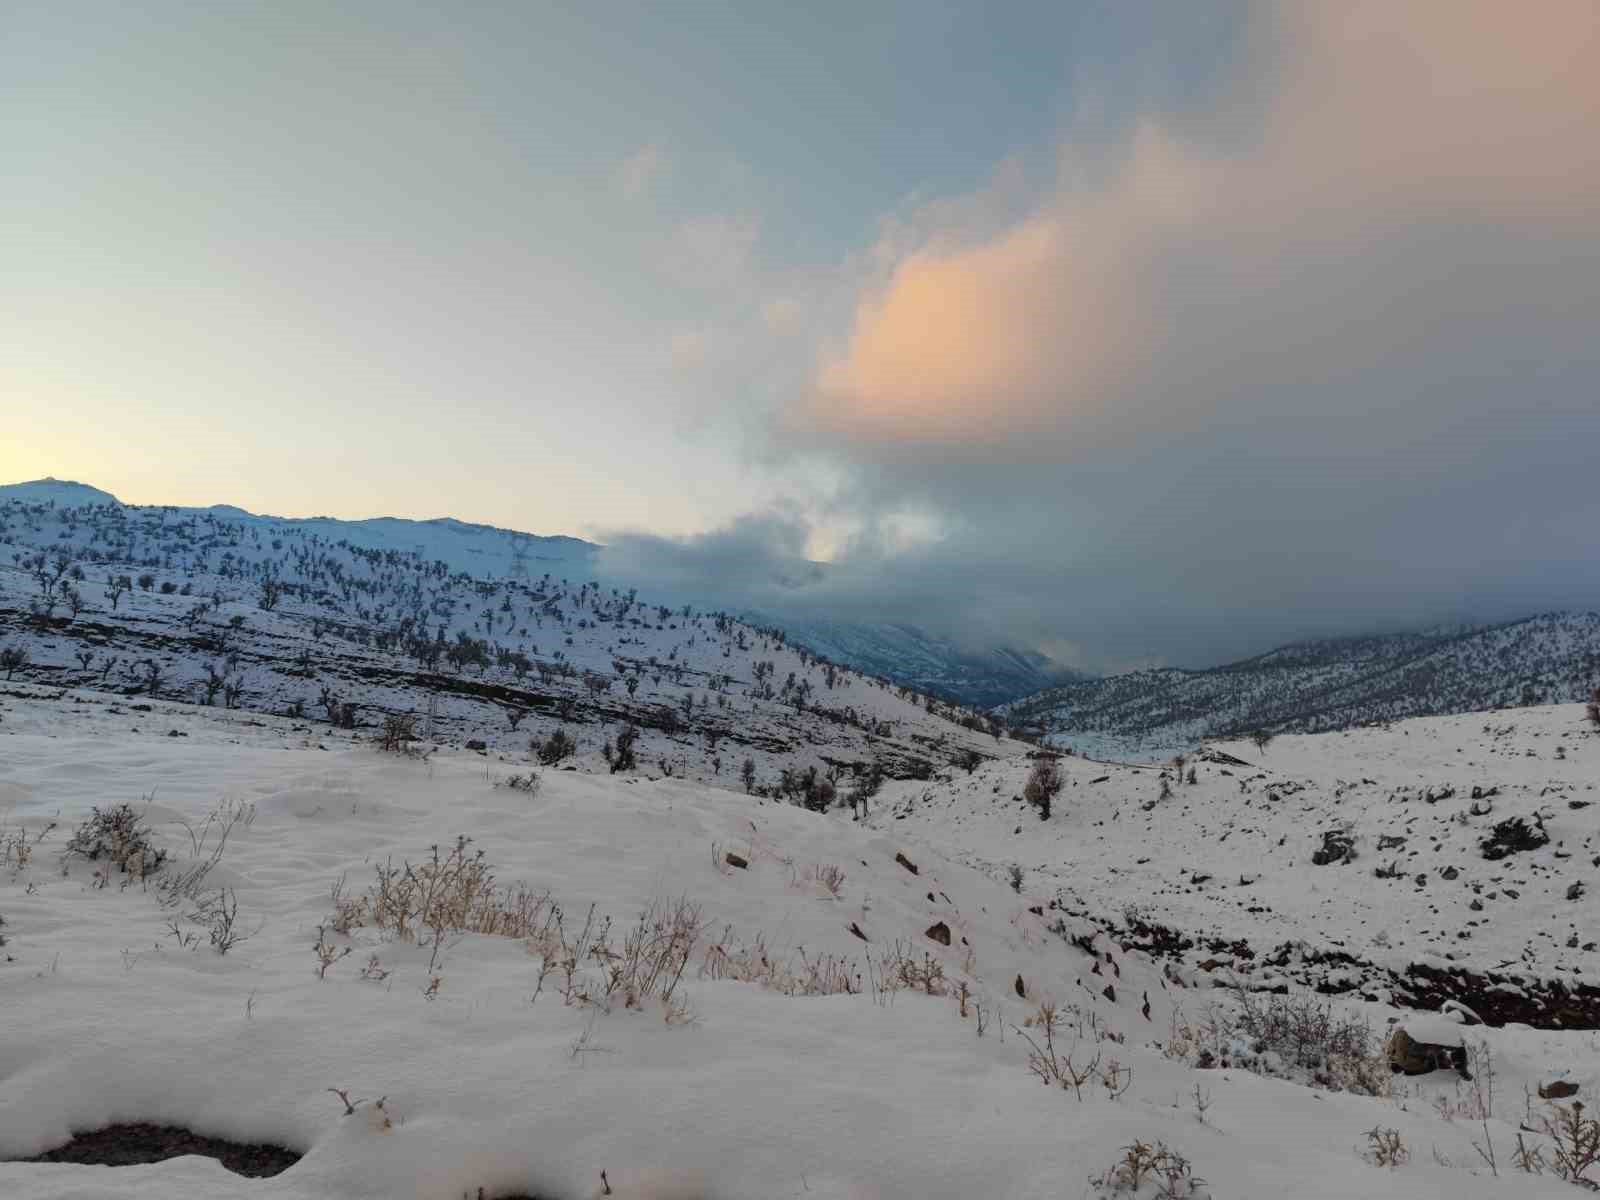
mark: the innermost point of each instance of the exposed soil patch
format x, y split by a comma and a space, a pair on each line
139, 1142
1498, 998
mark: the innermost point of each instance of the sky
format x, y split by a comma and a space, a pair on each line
1130, 332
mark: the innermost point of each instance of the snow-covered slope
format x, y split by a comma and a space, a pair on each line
280, 618
854, 1015
1327, 684
50, 513
1223, 870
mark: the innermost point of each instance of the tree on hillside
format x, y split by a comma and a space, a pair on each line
1044, 784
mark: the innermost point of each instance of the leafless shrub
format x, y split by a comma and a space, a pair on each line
399, 732
830, 876
452, 891
554, 748
527, 783
1386, 1148
327, 954
219, 913
798, 974
16, 849
1141, 1163
1055, 1068
117, 837
1574, 1145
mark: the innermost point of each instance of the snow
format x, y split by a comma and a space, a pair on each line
105, 1017
1247, 833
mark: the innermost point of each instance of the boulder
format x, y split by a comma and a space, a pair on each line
1412, 1056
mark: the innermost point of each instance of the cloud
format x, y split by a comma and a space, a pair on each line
1316, 366
1392, 123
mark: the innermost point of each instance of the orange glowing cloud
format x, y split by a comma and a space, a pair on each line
1386, 117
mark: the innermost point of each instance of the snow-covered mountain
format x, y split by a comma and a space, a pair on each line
909, 655
902, 653
1325, 684
353, 624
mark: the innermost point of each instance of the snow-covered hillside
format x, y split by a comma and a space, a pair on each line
277, 618
1327, 684
1214, 864
46, 513
837, 1010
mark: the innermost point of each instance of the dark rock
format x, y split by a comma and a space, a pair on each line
1337, 847
737, 860
907, 864
477, 744
939, 932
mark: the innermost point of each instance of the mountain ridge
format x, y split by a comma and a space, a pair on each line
1322, 684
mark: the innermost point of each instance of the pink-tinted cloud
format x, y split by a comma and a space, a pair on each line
1071, 327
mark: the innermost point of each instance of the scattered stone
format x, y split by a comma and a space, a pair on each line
907, 863
737, 860
1337, 847
1022, 990
1561, 1089
477, 744
939, 932
1575, 891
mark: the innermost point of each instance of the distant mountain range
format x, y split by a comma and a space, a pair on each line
1326, 684
908, 655
981, 677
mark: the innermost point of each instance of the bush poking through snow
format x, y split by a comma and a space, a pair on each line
1166, 1171
830, 876
1301, 1038
117, 837
452, 891
554, 748
16, 850
527, 784
1054, 1068
399, 731
1386, 1149
1574, 1152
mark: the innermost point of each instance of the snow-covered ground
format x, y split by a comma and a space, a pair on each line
1227, 861
114, 1007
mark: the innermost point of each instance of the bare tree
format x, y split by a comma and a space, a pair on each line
1044, 784
116, 588
11, 658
